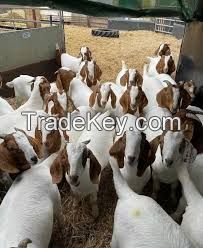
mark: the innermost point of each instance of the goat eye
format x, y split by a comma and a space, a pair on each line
11, 148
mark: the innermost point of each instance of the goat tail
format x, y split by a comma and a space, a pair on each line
121, 186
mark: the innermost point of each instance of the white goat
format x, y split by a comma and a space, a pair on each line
74, 63
140, 222
5, 107
79, 93
133, 154
22, 87
83, 162
180, 157
36, 101
29, 208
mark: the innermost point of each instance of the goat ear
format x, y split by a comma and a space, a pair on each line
84, 71
138, 79
154, 146
38, 134
171, 66
93, 96
185, 99
113, 99
146, 158
95, 168
164, 99
143, 101
19, 130
86, 142
37, 146
124, 79
118, 151
59, 165
188, 131
59, 84
125, 101
160, 65
2, 136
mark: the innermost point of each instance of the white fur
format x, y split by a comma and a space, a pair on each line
29, 208
100, 141
79, 92
15, 119
133, 140
140, 222
5, 107
71, 62
22, 87
25, 146
83, 112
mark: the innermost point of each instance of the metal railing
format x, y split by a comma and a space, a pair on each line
11, 18
166, 25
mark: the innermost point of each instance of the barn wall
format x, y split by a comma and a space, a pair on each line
24, 47
30, 52
190, 64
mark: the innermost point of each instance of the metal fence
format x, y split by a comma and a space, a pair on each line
24, 17
166, 25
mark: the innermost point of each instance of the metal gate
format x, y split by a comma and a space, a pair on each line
164, 25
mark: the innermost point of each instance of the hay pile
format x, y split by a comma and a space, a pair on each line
132, 47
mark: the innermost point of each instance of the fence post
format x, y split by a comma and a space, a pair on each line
51, 20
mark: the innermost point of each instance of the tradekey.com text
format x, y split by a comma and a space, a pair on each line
108, 123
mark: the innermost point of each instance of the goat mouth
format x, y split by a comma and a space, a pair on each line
75, 184
133, 106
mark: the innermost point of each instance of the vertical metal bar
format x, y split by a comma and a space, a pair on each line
12, 17
34, 17
51, 20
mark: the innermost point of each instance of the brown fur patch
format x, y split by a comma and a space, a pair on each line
59, 166
64, 79
124, 80
95, 167
146, 157
44, 88
165, 98
141, 101
57, 109
95, 94
12, 158
118, 150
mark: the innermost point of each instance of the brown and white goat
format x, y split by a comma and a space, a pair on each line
128, 77
90, 73
18, 152
82, 171
133, 100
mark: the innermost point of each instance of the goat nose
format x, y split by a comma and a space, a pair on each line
169, 162
103, 102
131, 159
73, 179
34, 159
